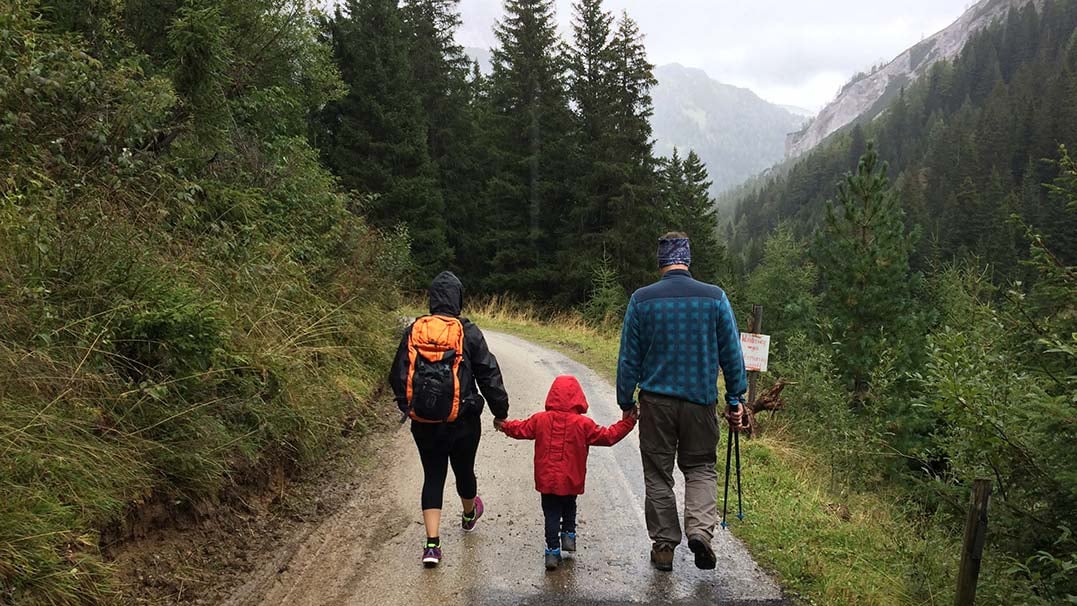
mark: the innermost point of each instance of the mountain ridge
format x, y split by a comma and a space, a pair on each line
735, 132
868, 95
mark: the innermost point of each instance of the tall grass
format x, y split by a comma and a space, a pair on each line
507, 310
170, 398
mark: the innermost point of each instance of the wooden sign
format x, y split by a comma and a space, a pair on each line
756, 350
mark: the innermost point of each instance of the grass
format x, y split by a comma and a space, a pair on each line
153, 378
83, 447
835, 547
825, 544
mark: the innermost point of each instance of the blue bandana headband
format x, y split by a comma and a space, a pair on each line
675, 251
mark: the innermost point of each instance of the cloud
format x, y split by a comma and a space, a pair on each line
788, 51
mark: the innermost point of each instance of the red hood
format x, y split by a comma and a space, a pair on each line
566, 395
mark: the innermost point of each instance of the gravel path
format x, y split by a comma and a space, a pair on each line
368, 553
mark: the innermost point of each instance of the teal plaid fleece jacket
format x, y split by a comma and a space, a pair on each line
677, 333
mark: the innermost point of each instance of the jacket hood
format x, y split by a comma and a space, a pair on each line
446, 294
566, 395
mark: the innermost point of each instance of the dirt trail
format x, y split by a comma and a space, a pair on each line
368, 553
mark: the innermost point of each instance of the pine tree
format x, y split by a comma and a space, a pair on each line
531, 122
999, 244
439, 68
863, 256
685, 191
995, 132
606, 302
375, 139
616, 207
590, 68
635, 205
446, 88
590, 73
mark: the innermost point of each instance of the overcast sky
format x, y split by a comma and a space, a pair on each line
792, 52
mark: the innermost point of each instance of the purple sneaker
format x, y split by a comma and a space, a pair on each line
431, 555
467, 522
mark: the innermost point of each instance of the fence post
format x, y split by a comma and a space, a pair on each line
972, 547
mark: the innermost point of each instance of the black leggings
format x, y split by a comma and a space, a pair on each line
444, 443
560, 515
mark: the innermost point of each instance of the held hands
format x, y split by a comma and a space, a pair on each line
499, 425
631, 412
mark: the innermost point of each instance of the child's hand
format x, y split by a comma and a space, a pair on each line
499, 425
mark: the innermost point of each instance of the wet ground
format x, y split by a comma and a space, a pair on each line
368, 552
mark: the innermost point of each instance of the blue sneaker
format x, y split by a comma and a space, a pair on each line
568, 542
553, 559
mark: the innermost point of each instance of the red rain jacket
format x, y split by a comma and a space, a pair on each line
563, 436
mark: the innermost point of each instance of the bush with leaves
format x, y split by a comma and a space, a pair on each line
995, 416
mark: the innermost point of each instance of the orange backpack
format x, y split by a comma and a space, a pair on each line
435, 351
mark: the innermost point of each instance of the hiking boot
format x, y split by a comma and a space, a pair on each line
568, 541
662, 557
553, 558
431, 554
705, 558
467, 522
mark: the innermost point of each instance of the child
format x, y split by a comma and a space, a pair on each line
562, 436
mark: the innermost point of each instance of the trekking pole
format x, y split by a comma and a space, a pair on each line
728, 457
740, 505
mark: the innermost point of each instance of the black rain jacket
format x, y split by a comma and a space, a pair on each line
479, 368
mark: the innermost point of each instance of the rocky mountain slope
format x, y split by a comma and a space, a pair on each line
734, 131
868, 95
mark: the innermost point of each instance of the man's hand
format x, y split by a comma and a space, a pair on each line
734, 415
631, 412
498, 425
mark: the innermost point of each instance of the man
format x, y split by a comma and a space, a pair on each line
452, 439
676, 334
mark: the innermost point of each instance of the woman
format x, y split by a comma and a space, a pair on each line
440, 365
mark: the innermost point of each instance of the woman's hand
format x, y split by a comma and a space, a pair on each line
498, 425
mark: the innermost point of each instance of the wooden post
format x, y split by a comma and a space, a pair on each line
756, 328
972, 547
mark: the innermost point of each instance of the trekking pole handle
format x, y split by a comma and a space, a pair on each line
743, 419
